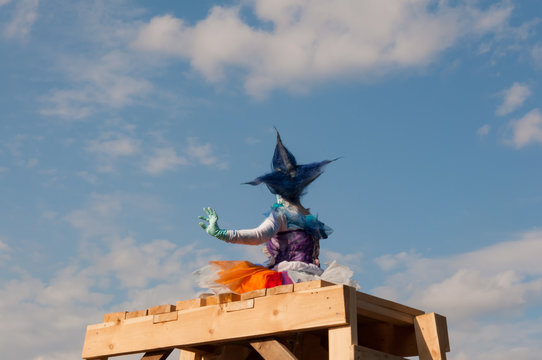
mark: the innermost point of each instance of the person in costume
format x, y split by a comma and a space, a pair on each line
290, 233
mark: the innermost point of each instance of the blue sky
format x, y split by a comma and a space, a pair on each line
121, 120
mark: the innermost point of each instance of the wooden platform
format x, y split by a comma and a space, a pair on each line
312, 320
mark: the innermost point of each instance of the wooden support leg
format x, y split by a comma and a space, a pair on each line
342, 339
189, 355
157, 355
431, 336
272, 350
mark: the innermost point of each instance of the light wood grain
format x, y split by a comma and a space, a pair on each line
290, 312
432, 336
272, 350
342, 338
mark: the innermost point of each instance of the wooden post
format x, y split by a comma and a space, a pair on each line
272, 350
189, 355
342, 339
431, 336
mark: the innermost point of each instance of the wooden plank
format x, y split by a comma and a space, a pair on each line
157, 355
272, 350
363, 297
240, 305
189, 304
432, 336
254, 294
363, 353
342, 338
314, 284
378, 312
281, 289
228, 297
115, 317
170, 316
138, 313
160, 309
271, 315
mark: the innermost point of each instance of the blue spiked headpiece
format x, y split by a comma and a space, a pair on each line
288, 179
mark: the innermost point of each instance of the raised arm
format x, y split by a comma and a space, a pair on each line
259, 235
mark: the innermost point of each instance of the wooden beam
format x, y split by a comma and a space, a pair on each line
271, 315
342, 338
157, 355
432, 336
388, 304
272, 350
363, 353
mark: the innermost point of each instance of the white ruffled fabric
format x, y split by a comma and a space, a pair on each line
298, 271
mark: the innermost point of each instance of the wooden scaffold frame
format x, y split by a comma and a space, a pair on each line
312, 320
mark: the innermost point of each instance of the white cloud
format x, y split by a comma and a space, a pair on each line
322, 39
528, 129
352, 260
485, 295
164, 159
4, 2
3, 245
81, 292
109, 81
513, 98
484, 130
113, 145
26, 12
203, 154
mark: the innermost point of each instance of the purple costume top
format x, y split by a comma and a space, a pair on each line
288, 234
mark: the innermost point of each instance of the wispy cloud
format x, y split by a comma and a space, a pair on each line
527, 129
513, 98
24, 16
108, 148
108, 81
323, 40
163, 159
484, 130
203, 154
113, 145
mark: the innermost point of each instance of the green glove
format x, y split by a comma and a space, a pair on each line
212, 228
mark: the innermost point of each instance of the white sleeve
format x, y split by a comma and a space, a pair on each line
264, 232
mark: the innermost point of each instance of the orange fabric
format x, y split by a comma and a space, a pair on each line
244, 276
